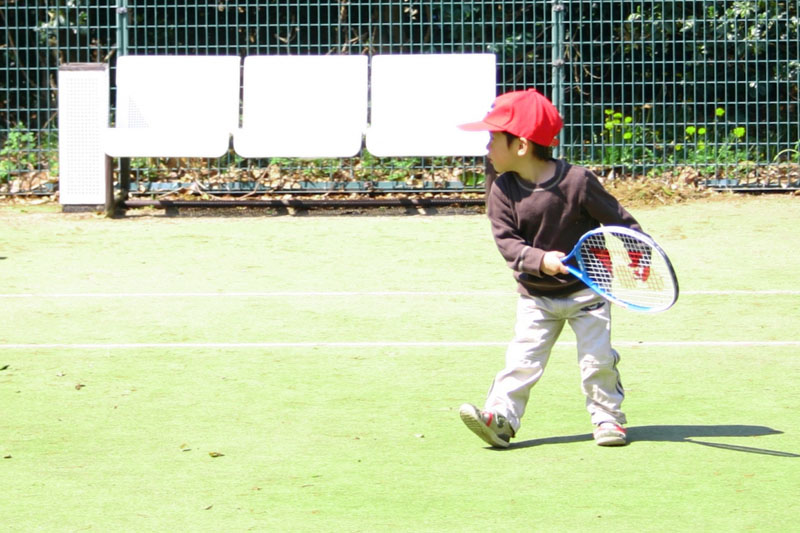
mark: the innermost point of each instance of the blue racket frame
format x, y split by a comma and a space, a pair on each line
581, 274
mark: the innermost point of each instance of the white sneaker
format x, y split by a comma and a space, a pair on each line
610, 434
491, 427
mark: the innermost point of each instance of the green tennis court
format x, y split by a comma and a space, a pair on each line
304, 374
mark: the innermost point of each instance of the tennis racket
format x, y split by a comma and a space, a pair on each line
626, 267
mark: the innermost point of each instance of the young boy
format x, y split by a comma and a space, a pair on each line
539, 207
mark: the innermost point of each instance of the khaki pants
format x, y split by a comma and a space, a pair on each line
539, 323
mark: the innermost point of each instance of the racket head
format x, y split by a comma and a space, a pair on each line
626, 267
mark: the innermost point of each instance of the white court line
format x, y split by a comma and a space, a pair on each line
743, 292
375, 344
271, 294
285, 294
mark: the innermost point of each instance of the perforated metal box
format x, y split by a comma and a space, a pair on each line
84, 169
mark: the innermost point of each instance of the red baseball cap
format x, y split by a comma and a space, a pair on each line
527, 114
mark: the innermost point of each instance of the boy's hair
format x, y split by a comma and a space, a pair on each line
545, 153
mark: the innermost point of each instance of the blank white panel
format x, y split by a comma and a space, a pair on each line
303, 106
418, 100
82, 117
182, 106
173, 141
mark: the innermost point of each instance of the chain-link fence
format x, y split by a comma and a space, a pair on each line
709, 89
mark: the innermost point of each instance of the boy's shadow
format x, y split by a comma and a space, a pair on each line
678, 434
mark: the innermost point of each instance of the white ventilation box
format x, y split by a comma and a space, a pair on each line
84, 169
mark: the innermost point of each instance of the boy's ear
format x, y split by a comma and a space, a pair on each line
524, 146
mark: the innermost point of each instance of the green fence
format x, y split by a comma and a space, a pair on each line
705, 89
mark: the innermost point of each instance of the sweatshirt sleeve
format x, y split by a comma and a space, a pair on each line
518, 253
604, 207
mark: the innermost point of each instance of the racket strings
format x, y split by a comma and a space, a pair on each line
627, 269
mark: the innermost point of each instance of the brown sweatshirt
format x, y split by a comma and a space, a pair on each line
531, 219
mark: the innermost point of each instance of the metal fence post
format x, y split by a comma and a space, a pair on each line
558, 61
122, 49
122, 27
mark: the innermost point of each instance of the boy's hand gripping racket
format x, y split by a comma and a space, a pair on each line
625, 267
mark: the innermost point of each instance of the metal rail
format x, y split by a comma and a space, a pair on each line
305, 203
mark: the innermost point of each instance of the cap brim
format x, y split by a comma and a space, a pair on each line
485, 126
478, 126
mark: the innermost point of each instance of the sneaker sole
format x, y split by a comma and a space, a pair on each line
612, 436
611, 441
470, 418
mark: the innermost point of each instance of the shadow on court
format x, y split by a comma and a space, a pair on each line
678, 434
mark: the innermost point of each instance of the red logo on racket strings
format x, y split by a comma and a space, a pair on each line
640, 271
602, 255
